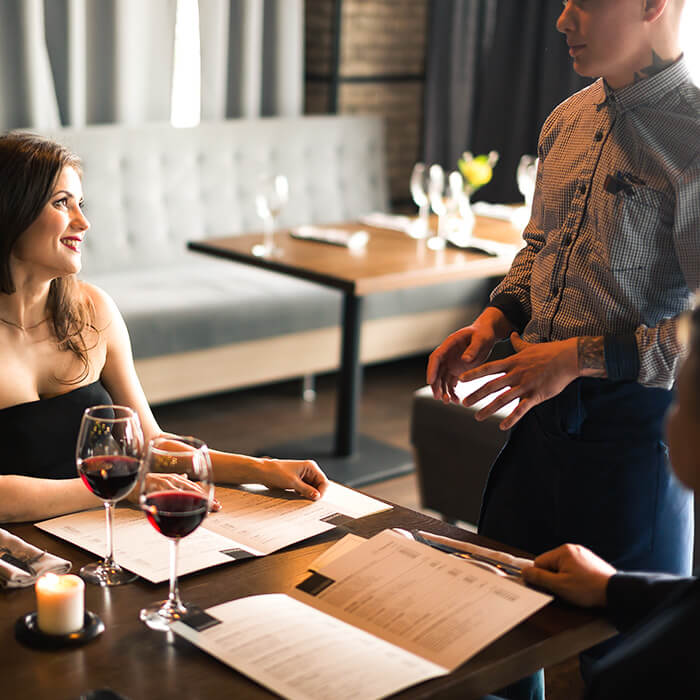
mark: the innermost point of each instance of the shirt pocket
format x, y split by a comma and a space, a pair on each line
642, 219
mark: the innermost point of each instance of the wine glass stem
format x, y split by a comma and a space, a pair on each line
269, 233
174, 595
424, 216
109, 516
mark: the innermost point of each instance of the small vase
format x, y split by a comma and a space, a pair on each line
464, 223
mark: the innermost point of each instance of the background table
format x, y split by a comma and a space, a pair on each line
390, 261
140, 663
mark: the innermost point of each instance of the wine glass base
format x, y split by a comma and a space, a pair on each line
436, 243
264, 251
162, 614
100, 573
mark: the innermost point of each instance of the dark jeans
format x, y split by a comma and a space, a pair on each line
590, 467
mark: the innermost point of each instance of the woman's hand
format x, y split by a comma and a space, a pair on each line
572, 572
302, 475
169, 482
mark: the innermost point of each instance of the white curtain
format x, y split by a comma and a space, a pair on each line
252, 57
76, 62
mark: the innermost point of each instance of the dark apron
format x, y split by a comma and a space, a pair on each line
590, 467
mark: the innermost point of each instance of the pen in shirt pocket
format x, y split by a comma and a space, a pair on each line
622, 182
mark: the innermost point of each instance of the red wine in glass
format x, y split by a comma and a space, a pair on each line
175, 492
108, 458
175, 513
109, 477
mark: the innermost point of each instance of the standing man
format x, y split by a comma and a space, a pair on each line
591, 303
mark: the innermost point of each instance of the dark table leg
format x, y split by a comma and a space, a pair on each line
347, 456
350, 380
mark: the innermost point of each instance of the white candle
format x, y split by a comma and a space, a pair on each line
60, 603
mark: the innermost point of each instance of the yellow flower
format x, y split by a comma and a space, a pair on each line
477, 171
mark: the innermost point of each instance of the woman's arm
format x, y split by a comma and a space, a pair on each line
121, 381
26, 498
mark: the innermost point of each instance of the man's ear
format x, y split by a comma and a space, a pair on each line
653, 9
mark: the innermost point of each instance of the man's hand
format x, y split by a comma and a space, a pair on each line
463, 350
535, 373
302, 475
573, 573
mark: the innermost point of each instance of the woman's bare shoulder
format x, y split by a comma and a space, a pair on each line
103, 306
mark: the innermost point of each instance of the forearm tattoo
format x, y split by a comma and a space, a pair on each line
657, 65
591, 356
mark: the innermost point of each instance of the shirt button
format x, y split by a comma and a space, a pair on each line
566, 240
598, 136
555, 291
582, 188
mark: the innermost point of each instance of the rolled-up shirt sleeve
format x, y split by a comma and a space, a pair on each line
659, 348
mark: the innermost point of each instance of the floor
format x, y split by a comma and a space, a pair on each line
246, 421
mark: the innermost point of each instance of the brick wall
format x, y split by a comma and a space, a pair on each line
367, 57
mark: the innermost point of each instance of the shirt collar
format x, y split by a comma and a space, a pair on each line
648, 90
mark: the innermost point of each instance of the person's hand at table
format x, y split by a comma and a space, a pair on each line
573, 573
535, 373
463, 350
302, 475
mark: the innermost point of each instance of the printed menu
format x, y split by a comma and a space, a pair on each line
383, 615
253, 522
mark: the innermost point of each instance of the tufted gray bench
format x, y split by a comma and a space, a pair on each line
201, 325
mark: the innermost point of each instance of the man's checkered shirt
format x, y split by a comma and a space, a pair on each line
613, 244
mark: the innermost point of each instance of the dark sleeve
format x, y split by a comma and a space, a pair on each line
512, 309
621, 357
632, 596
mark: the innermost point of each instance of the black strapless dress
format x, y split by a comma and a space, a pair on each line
38, 438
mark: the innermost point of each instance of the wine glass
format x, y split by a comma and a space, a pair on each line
438, 196
271, 195
461, 217
176, 491
108, 454
526, 176
419, 193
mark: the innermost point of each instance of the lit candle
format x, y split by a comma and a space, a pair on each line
60, 603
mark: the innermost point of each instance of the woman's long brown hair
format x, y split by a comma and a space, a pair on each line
29, 169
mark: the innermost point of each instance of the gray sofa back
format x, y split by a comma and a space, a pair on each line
149, 189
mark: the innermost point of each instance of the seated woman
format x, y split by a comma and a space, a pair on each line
65, 345
659, 615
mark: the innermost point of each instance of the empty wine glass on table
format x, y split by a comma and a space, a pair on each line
175, 493
438, 195
271, 194
526, 176
108, 456
419, 194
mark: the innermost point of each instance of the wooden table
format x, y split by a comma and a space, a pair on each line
390, 261
140, 663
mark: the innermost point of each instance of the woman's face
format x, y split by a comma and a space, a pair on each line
683, 424
51, 244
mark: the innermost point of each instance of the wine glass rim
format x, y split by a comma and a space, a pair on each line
131, 413
195, 443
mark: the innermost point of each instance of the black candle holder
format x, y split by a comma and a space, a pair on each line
27, 631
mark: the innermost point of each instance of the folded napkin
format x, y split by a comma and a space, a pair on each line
485, 245
394, 222
494, 211
21, 563
469, 548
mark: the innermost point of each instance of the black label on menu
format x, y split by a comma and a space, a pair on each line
237, 553
199, 620
337, 519
315, 584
